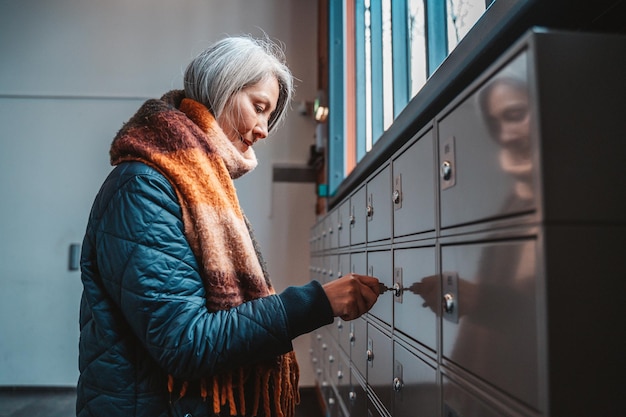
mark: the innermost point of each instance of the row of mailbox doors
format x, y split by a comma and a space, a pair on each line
479, 313
396, 379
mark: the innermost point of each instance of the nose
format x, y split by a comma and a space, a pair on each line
261, 130
511, 134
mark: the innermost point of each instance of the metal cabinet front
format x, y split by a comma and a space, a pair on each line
416, 305
414, 384
344, 334
344, 327
458, 402
490, 316
344, 265
342, 379
332, 265
413, 193
487, 159
380, 364
378, 208
358, 216
358, 351
343, 224
379, 265
357, 398
331, 224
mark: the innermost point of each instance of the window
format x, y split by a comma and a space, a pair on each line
381, 53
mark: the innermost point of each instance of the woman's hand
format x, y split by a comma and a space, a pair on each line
352, 295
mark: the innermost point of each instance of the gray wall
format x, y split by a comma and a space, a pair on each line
71, 72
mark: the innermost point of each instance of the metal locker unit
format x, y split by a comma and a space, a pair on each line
380, 365
357, 397
358, 351
332, 265
491, 325
342, 382
343, 224
487, 150
417, 303
358, 217
413, 180
415, 386
359, 326
332, 223
379, 264
465, 400
378, 209
504, 238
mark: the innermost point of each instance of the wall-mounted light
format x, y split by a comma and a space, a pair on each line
320, 108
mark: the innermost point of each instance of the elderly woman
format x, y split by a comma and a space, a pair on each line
178, 315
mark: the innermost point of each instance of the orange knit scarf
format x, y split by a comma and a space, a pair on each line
181, 139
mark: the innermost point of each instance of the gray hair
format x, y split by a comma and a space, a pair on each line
232, 64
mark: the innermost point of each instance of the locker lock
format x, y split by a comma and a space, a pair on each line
396, 196
397, 384
352, 395
397, 289
448, 303
370, 355
370, 210
352, 220
446, 170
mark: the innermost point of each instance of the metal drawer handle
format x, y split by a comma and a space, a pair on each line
339, 375
370, 355
352, 395
352, 220
370, 210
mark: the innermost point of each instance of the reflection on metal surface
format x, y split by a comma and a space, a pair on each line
504, 103
495, 336
486, 151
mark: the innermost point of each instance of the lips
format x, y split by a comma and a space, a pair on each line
245, 141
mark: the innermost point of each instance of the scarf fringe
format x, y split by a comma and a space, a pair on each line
281, 380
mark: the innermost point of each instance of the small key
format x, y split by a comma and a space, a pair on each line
382, 288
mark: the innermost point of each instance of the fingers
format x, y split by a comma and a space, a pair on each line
352, 296
371, 282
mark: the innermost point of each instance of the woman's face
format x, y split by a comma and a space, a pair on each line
508, 114
245, 118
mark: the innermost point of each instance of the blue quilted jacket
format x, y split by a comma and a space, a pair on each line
143, 314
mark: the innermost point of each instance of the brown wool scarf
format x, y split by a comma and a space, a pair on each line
181, 139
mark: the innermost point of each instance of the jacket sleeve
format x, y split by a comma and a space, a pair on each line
148, 268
